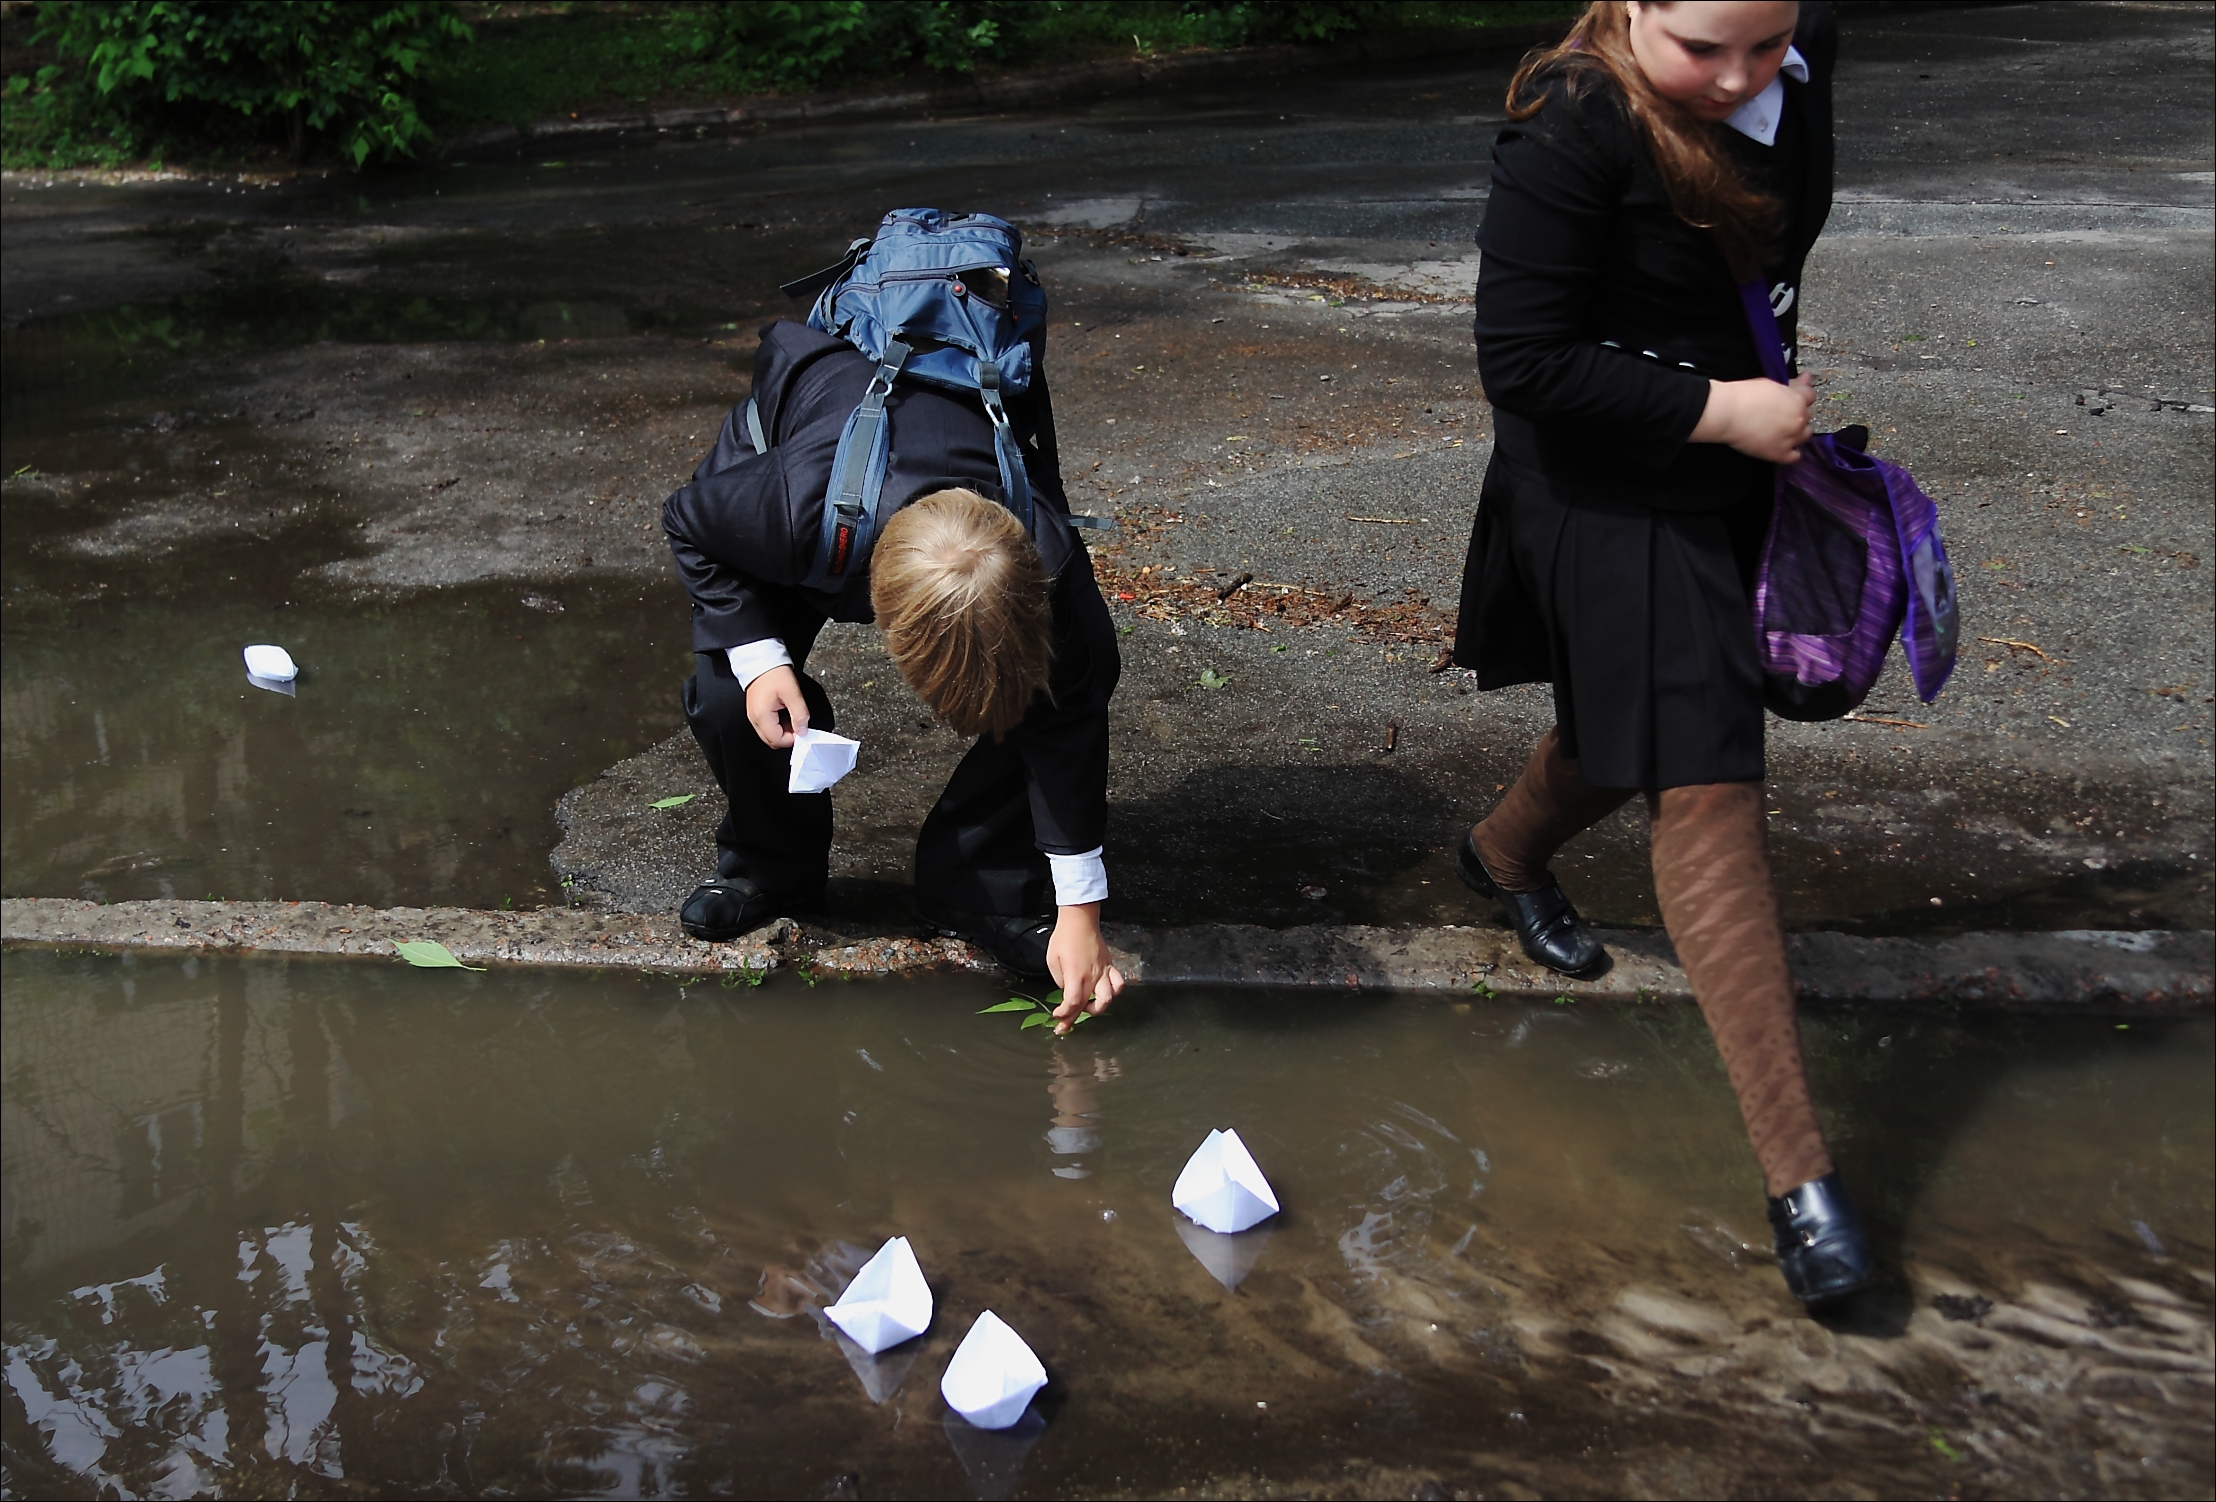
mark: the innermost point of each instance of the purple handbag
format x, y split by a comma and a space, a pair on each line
1853, 558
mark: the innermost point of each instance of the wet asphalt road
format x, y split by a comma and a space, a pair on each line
495, 370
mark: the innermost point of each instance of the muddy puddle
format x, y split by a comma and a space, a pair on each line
418, 760
322, 1229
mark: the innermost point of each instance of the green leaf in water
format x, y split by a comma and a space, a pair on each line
1012, 1004
1037, 1019
677, 802
430, 954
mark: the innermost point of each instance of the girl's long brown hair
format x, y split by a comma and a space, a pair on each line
1705, 188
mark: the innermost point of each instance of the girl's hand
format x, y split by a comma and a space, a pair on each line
1081, 965
1758, 417
776, 708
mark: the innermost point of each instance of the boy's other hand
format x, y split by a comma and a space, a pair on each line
1079, 960
776, 709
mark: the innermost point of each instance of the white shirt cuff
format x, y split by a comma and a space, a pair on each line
756, 658
1079, 878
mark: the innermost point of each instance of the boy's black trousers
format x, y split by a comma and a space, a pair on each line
979, 849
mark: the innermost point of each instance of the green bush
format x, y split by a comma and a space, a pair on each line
372, 82
240, 71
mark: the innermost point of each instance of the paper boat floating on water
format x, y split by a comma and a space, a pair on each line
1222, 1187
820, 759
888, 1301
993, 1376
271, 668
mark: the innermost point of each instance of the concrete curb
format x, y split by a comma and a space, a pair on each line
1028, 89
2093, 971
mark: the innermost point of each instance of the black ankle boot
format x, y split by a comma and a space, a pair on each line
1018, 943
1546, 924
721, 910
1820, 1245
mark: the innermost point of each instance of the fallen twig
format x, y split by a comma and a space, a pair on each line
1392, 734
1392, 521
2014, 645
1878, 719
1234, 586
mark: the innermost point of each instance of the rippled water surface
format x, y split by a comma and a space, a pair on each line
329, 1229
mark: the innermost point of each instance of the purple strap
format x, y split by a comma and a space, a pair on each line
1769, 339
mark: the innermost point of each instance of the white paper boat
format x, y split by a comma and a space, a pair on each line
1222, 1187
1228, 1258
271, 668
888, 1301
820, 759
993, 1375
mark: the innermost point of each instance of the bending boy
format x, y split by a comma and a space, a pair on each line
1003, 635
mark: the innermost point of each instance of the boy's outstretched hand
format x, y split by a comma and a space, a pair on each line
1081, 965
776, 708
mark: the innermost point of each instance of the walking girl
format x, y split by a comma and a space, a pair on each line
1660, 157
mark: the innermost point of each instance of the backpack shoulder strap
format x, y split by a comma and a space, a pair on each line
1015, 483
857, 479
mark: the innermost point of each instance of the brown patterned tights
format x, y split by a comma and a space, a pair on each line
1549, 803
1712, 876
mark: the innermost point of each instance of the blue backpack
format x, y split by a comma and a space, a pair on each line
937, 297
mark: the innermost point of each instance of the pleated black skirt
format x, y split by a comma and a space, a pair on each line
1639, 618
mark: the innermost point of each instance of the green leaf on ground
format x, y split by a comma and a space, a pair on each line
430, 954
677, 802
1210, 678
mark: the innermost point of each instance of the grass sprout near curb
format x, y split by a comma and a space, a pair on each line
1036, 1013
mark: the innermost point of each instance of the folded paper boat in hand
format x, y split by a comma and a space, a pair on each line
993, 1376
888, 1301
820, 759
1222, 1186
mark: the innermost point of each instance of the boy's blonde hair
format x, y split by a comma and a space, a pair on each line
962, 599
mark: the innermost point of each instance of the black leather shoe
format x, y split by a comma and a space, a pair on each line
1820, 1245
1018, 943
1546, 924
729, 906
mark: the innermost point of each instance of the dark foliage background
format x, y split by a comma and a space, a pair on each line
105, 82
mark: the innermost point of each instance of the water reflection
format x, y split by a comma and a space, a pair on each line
1076, 1109
293, 1229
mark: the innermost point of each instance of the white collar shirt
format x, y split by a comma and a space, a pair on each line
1758, 118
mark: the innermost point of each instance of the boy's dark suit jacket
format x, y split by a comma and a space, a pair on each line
750, 520
746, 530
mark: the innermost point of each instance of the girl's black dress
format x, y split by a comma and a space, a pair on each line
1609, 556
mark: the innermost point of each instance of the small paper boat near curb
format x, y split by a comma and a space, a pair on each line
993, 1376
271, 668
888, 1301
1222, 1186
820, 759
